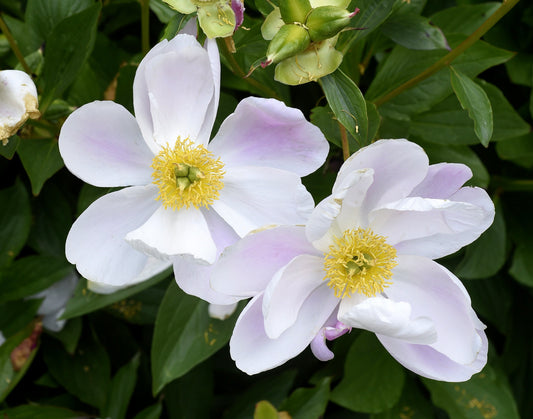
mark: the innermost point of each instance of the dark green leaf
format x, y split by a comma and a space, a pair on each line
372, 381
142, 307
40, 169
520, 69
151, 412
308, 403
464, 19
86, 374
17, 314
486, 256
68, 46
8, 150
324, 118
486, 394
121, 390
85, 301
162, 10
184, 336
522, 267
519, 150
15, 221
69, 335
30, 275
414, 32
348, 104
474, 99
35, 411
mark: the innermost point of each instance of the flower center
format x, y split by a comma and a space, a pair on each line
187, 174
359, 261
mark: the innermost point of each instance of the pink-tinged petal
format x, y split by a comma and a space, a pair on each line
289, 289
426, 220
470, 212
221, 312
254, 197
265, 132
238, 9
432, 292
214, 59
428, 362
254, 352
169, 233
442, 180
193, 277
399, 165
96, 245
262, 253
318, 344
102, 145
387, 317
173, 88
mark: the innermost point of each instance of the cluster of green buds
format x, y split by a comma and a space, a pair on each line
217, 18
302, 35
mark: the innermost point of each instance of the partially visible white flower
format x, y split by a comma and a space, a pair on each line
55, 300
18, 102
364, 260
187, 197
2, 338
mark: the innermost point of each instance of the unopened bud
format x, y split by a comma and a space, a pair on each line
294, 10
289, 41
327, 21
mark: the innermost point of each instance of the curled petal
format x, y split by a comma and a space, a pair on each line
265, 132
318, 344
101, 144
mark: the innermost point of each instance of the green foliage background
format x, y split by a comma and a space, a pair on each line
151, 351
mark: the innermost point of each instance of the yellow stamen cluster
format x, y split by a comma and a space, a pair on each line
187, 175
359, 261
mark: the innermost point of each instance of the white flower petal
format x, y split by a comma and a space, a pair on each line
253, 197
267, 133
101, 144
442, 180
180, 88
428, 362
399, 165
443, 231
261, 253
18, 102
96, 245
254, 352
432, 292
168, 233
289, 289
386, 317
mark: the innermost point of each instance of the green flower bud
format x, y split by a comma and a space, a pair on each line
294, 10
289, 41
272, 24
327, 21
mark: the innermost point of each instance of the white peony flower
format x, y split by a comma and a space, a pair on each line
364, 260
185, 195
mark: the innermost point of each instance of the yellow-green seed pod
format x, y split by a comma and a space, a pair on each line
327, 21
289, 41
294, 10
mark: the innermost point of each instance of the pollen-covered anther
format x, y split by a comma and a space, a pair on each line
187, 175
359, 262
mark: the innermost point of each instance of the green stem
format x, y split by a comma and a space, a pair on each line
238, 71
145, 26
14, 46
344, 142
448, 58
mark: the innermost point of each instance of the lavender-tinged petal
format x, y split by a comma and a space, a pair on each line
238, 9
442, 180
266, 133
102, 145
318, 345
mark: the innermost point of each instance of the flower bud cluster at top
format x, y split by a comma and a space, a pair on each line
297, 29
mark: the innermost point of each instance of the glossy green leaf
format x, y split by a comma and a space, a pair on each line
85, 301
372, 380
463, 19
474, 100
162, 10
151, 412
9, 150
414, 32
348, 104
175, 24
324, 118
9, 376
86, 374
486, 256
30, 275
36, 411
67, 48
486, 394
15, 221
40, 169
184, 336
308, 403
121, 390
